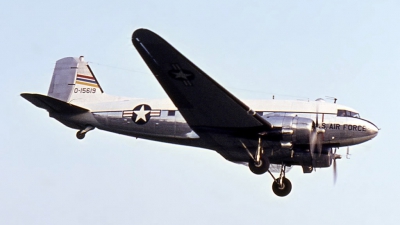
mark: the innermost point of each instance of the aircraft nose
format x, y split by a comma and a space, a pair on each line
372, 129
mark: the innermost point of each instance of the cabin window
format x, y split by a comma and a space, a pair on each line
171, 112
346, 113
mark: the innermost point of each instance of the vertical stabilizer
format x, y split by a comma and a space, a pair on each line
73, 80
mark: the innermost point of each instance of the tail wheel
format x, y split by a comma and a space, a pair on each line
80, 135
282, 189
261, 168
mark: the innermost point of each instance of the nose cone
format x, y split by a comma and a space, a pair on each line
371, 129
364, 131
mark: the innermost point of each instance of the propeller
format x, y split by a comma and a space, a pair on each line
313, 141
318, 130
335, 156
316, 138
316, 134
316, 142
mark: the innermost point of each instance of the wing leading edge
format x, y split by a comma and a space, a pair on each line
203, 102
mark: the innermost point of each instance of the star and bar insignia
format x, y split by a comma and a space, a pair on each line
141, 114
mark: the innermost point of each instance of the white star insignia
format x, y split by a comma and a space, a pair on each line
141, 114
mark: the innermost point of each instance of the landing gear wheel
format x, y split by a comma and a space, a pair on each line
259, 169
80, 135
282, 190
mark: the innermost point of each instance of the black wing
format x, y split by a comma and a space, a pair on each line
203, 102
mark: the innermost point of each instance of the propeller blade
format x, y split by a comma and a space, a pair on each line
334, 172
319, 143
335, 156
316, 114
313, 142
318, 136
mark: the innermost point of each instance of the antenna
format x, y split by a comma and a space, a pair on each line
331, 98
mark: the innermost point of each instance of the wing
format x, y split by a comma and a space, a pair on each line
203, 102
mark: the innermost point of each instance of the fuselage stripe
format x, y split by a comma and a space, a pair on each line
155, 113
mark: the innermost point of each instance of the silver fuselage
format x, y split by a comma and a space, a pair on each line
165, 123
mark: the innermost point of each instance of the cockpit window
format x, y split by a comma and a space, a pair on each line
346, 113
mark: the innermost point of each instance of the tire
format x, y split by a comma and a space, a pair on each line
264, 167
79, 135
282, 191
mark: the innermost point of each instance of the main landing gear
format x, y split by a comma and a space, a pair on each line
81, 134
258, 163
281, 185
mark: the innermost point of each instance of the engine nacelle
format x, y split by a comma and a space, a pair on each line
294, 130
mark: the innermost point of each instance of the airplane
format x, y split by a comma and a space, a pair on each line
270, 136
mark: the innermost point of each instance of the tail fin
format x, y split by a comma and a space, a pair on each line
73, 80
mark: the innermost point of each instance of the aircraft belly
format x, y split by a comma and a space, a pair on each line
233, 150
160, 126
75, 120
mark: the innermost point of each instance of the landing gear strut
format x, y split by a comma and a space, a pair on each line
81, 134
258, 163
281, 185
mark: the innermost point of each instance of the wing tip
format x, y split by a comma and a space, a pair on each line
138, 33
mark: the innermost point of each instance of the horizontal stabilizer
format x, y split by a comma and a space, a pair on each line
51, 104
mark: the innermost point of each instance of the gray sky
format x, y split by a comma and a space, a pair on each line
255, 49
